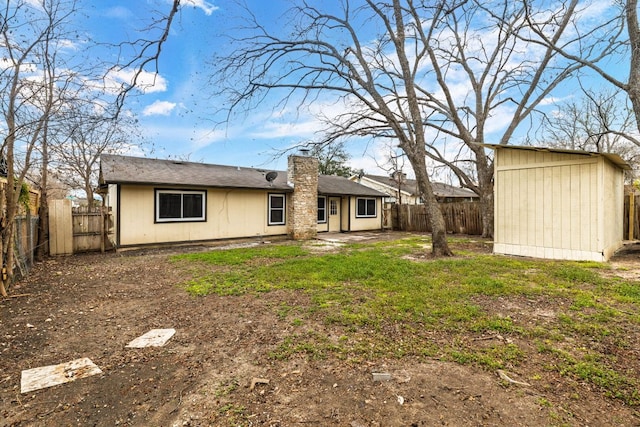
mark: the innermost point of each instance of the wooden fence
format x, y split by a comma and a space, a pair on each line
74, 230
460, 218
26, 234
635, 214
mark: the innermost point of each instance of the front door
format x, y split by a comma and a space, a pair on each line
334, 214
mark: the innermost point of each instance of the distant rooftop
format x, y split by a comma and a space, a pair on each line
411, 186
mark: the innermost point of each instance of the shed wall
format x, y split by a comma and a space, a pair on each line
557, 205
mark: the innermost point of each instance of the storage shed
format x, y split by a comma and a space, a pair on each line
558, 204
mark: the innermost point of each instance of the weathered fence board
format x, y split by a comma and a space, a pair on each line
460, 218
74, 230
60, 227
87, 230
636, 218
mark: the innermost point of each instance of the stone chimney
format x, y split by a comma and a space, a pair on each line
302, 211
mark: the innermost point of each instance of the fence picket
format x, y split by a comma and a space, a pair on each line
460, 218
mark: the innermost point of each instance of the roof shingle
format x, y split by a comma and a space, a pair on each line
116, 169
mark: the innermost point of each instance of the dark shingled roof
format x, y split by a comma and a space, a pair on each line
331, 185
411, 186
136, 170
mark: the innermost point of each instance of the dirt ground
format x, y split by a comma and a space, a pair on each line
93, 305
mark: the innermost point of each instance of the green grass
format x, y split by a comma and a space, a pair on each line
384, 303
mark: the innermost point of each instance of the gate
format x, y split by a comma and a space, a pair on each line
74, 230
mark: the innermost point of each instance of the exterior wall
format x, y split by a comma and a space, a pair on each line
557, 205
613, 207
302, 212
362, 224
230, 214
392, 193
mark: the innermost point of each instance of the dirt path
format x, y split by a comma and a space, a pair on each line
93, 305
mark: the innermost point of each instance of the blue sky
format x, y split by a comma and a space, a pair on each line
176, 113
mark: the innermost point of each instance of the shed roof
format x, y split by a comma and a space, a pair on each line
410, 186
612, 157
115, 169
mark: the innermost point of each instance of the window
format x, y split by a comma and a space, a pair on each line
180, 205
322, 209
333, 207
276, 209
366, 208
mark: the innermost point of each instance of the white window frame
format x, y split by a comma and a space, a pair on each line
367, 214
201, 218
323, 210
283, 209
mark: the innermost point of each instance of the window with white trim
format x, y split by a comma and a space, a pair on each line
365, 208
276, 209
322, 209
180, 205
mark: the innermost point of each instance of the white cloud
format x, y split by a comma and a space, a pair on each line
146, 82
206, 7
159, 108
301, 129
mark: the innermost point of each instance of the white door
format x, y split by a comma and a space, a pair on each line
334, 214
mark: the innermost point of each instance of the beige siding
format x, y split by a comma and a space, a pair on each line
230, 214
361, 224
557, 205
407, 198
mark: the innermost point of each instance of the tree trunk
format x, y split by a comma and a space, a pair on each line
634, 73
439, 243
485, 171
42, 248
89, 190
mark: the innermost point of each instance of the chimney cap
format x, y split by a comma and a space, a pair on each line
304, 152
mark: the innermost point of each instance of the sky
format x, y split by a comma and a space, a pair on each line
177, 113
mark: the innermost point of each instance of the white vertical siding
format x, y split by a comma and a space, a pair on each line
557, 205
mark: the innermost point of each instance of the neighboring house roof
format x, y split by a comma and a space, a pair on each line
332, 185
410, 186
137, 170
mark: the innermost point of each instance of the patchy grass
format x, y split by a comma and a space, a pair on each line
387, 299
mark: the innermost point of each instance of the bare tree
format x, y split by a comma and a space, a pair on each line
28, 37
598, 121
490, 79
600, 41
38, 81
331, 54
86, 132
426, 75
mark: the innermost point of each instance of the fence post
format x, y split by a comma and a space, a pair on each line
632, 205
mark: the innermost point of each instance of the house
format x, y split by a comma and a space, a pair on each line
558, 204
399, 189
168, 201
